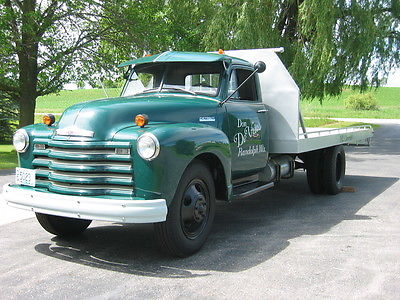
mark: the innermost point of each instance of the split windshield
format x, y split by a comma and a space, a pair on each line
191, 78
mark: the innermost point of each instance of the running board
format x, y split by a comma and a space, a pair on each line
253, 191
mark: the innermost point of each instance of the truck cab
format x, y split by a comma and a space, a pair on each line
188, 129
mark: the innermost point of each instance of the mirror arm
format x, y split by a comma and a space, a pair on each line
128, 72
231, 94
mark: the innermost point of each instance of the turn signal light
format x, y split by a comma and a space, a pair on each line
49, 119
141, 120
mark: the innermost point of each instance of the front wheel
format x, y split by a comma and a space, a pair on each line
190, 214
62, 226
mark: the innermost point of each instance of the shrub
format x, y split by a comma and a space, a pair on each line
361, 102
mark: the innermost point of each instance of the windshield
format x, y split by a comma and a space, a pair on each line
191, 78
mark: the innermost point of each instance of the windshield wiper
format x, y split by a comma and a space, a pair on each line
167, 88
148, 91
178, 89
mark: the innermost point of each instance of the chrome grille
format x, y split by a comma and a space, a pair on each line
90, 170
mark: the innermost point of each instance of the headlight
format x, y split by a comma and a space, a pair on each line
148, 146
21, 140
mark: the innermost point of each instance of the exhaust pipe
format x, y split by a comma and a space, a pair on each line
278, 167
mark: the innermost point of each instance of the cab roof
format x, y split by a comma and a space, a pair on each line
178, 56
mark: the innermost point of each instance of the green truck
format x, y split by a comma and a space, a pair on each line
188, 129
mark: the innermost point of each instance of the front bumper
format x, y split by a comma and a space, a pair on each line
89, 208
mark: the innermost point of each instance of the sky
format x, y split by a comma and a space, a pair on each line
394, 78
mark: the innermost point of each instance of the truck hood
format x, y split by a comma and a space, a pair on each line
104, 118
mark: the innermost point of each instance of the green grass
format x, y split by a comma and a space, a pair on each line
318, 122
329, 123
388, 101
57, 103
8, 157
342, 124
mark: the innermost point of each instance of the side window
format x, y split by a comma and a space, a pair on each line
248, 90
206, 84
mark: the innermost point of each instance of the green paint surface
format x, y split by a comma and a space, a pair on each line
178, 56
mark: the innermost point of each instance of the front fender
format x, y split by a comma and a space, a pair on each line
179, 145
34, 131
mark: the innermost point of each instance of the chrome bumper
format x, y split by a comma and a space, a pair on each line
90, 208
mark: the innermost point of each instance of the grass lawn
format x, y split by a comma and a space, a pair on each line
329, 123
57, 103
388, 101
8, 157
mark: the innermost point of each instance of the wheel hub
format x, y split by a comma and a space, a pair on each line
194, 209
200, 208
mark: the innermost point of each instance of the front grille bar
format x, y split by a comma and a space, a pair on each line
84, 171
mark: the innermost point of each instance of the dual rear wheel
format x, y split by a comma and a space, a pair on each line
325, 170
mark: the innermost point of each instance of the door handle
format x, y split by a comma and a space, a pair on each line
262, 111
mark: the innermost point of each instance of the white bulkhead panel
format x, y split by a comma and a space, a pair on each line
280, 93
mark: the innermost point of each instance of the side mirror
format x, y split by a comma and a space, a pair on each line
260, 66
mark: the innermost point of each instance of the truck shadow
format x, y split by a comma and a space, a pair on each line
246, 233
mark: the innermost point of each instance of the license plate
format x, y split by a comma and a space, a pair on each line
25, 176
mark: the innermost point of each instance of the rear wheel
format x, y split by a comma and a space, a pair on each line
315, 176
334, 169
190, 214
62, 226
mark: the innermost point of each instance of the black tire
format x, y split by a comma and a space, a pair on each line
190, 214
315, 175
62, 226
334, 169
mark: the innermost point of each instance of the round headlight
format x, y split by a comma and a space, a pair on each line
148, 146
21, 140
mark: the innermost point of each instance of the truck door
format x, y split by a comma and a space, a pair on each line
246, 117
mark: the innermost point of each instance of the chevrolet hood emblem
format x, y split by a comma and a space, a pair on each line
74, 131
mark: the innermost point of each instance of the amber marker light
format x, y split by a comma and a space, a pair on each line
221, 51
141, 120
49, 119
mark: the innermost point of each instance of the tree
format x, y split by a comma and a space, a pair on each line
43, 45
8, 114
153, 26
328, 43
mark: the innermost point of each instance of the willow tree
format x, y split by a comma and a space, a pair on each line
152, 26
328, 43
